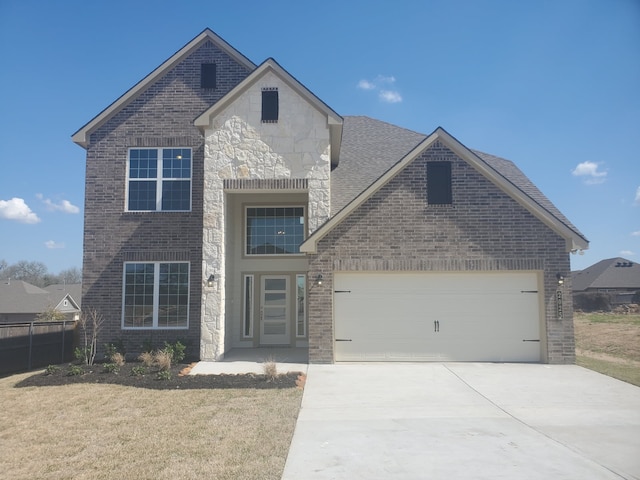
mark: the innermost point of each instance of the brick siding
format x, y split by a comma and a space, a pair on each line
162, 116
483, 230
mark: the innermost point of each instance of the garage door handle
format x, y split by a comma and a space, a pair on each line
524, 340
436, 325
343, 340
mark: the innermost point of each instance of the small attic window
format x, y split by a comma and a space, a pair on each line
439, 183
269, 105
208, 75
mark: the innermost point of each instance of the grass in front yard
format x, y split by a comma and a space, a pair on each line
90, 431
610, 344
626, 372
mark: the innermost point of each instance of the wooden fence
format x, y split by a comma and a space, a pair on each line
25, 346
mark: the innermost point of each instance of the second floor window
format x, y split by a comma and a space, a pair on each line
159, 179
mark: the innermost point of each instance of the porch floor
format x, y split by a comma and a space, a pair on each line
251, 360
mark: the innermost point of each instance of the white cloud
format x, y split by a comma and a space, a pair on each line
366, 85
636, 202
16, 209
627, 253
384, 94
384, 79
635, 234
590, 171
390, 96
52, 244
63, 206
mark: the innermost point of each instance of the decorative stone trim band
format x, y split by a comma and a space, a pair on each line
452, 265
301, 184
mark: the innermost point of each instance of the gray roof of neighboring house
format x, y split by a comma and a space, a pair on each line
371, 147
73, 289
612, 273
17, 296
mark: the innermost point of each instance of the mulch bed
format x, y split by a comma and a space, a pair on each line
179, 378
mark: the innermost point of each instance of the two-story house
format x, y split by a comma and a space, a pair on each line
228, 206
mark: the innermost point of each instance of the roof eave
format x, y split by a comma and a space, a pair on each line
81, 137
573, 240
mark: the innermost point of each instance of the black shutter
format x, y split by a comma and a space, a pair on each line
208, 75
439, 183
270, 105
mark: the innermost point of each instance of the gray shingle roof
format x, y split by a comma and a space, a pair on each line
370, 147
610, 274
17, 296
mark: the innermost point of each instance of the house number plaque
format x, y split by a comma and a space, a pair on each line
559, 304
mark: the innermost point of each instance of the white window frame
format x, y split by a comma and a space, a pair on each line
156, 296
247, 313
301, 332
159, 179
273, 255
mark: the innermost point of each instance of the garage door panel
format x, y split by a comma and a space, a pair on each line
455, 317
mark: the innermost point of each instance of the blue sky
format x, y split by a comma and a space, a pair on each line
552, 85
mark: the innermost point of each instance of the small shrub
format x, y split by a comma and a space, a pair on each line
80, 354
75, 370
51, 369
177, 351
162, 360
163, 375
147, 359
110, 368
112, 348
118, 359
139, 370
270, 369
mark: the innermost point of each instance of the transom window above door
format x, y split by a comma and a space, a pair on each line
274, 230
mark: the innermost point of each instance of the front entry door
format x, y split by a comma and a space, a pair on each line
274, 310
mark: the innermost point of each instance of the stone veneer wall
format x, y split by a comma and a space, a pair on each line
484, 229
239, 146
162, 116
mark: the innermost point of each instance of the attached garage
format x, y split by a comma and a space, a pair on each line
418, 316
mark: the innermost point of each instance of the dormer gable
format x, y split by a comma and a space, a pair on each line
271, 67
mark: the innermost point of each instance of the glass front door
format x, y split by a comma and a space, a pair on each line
274, 310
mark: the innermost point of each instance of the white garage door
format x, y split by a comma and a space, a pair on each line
481, 317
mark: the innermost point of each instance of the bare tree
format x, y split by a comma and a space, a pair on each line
70, 276
31, 272
90, 324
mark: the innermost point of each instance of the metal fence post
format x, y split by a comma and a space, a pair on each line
30, 345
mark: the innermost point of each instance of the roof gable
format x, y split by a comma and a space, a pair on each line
81, 136
334, 121
495, 171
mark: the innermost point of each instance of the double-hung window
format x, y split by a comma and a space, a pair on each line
159, 179
156, 295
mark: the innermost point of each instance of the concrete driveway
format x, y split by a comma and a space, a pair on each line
465, 421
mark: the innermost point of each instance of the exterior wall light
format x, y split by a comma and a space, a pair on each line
319, 279
210, 280
560, 278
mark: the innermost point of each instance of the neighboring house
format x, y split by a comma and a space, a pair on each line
228, 206
22, 302
617, 277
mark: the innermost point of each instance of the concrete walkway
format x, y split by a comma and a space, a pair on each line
465, 421
252, 360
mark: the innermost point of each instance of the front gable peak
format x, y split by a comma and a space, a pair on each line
81, 137
270, 66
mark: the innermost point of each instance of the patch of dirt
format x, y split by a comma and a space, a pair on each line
178, 378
